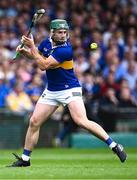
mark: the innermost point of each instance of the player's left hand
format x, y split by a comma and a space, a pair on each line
29, 42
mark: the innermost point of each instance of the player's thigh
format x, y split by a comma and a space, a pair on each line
77, 111
42, 112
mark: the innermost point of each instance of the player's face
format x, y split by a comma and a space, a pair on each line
60, 36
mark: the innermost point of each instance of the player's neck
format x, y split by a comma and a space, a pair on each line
56, 44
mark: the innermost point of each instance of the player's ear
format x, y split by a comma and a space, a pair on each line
68, 35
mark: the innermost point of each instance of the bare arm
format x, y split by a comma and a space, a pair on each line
44, 63
32, 52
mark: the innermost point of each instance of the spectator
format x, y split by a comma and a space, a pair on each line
88, 85
126, 99
112, 66
18, 101
81, 62
131, 74
34, 88
131, 44
123, 66
94, 67
109, 83
109, 98
134, 92
4, 90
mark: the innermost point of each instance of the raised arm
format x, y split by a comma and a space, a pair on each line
32, 52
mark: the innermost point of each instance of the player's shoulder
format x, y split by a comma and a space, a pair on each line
45, 41
63, 52
45, 44
64, 47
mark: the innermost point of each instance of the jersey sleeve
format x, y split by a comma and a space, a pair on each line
43, 48
62, 54
40, 47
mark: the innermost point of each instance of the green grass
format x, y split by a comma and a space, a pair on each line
71, 164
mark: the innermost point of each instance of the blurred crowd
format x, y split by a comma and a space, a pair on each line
108, 75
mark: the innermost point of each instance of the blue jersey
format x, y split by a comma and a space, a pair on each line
62, 77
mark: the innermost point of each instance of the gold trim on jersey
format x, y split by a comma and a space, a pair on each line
66, 65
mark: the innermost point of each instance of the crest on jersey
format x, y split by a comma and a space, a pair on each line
45, 49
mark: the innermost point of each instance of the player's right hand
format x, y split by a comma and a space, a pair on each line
19, 49
23, 50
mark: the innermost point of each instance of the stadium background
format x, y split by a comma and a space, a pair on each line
108, 75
